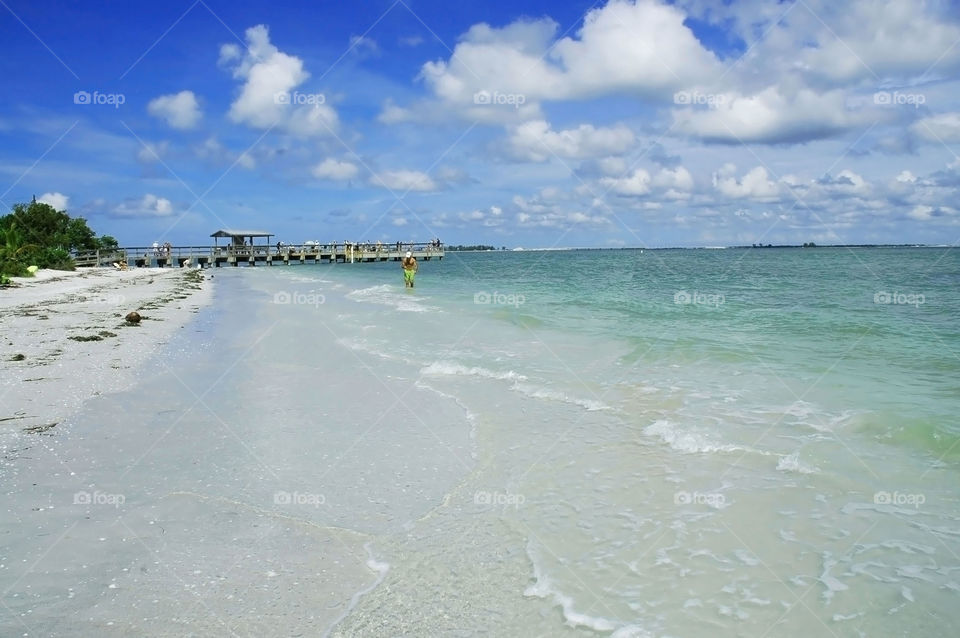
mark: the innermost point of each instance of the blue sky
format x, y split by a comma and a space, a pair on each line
534, 124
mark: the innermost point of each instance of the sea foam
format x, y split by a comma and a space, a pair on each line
688, 441
387, 295
545, 588
554, 395
791, 463
446, 368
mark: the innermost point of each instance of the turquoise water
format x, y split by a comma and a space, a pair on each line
795, 324
627, 443
707, 441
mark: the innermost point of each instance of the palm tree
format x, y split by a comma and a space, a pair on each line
11, 249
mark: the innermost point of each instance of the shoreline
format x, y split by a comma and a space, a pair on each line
65, 339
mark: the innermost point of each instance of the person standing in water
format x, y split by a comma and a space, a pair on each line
410, 266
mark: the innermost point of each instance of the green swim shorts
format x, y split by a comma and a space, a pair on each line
408, 275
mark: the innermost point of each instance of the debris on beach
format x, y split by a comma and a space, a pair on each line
133, 317
40, 429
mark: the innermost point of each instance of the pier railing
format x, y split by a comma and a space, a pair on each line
345, 252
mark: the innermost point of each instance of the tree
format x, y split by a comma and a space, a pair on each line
12, 251
38, 234
106, 242
79, 235
43, 225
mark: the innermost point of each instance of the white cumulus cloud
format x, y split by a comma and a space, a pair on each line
179, 110
335, 170
640, 47
771, 116
535, 141
636, 183
670, 183
755, 184
393, 114
943, 127
57, 200
267, 98
147, 206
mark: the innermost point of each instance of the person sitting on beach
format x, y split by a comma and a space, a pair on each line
410, 266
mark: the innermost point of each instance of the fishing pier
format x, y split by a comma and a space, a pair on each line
242, 248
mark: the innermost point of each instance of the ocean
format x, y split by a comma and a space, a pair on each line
735, 442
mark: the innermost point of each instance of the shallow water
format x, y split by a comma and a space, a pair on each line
661, 443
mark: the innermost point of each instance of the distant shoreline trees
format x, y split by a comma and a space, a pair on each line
462, 248
37, 234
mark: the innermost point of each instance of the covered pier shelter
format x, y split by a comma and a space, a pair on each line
239, 249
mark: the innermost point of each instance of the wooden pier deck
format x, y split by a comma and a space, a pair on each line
217, 256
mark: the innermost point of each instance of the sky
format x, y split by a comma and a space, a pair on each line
535, 124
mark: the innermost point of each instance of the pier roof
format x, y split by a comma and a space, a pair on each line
241, 233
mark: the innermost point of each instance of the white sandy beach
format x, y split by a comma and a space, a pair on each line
184, 547
48, 371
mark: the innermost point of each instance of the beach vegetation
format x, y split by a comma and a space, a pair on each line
37, 234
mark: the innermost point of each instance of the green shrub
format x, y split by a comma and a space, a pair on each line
36, 234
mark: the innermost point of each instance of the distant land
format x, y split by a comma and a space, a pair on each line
484, 248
